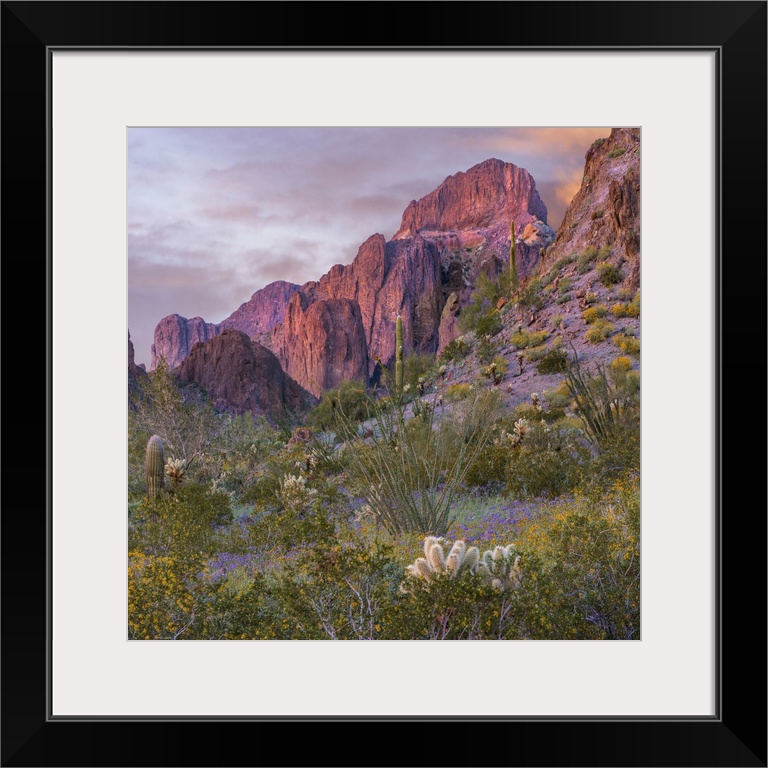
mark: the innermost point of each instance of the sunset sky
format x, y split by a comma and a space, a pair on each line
214, 214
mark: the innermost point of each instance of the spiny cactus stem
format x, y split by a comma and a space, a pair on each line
155, 466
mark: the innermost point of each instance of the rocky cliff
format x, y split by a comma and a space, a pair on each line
135, 372
322, 343
605, 212
265, 309
489, 193
240, 375
339, 326
176, 335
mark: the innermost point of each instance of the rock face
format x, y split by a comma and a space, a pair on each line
384, 280
606, 209
265, 309
449, 323
489, 193
240, 375
341, 326
135, 372
176, 335
322, 343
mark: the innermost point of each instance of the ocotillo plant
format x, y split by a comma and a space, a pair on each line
155, 466
399, 354
512, 258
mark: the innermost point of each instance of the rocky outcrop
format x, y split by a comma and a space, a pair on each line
136, 373
240, 375
342, 325
265, 309
176, 335
322, 343
449, 323
385, 280
489, 193
606, 209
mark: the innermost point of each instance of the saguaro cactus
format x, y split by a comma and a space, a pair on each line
155, 466
399, 354
512, 258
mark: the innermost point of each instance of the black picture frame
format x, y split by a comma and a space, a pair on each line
736, 736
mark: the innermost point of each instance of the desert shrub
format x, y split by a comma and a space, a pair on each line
590, 297
162, 596
563, 261
548, 461
609, 274
529, 295
623, 294
455, 350
556, 320
563, 299
486, 349
351, 396
597, 214
619, 310
179, 524
599, 331
618, 152
522, 339
339, 589
558, 397
488, 470
185, 420
627, 344
585, 260
621, 364
564, 285
488, 325
534, 354
582, 567
463, 608
455, 392
553, 361
594, 313
484, 298
633, 308
417, 365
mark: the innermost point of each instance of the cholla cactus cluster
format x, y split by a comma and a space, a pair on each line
175, 469
501, 568
536, 402
294, 492
442, 370
460, 559
519, 432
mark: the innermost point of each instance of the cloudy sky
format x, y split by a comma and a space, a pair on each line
216, 213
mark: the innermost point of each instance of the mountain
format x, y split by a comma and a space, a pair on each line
339, 326
240, 375
605, 212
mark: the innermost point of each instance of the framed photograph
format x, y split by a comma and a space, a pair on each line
105, 105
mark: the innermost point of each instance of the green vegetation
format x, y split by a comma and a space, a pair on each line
522, 339
594, 313
600, 331
437, 512
609, 274
455, 350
